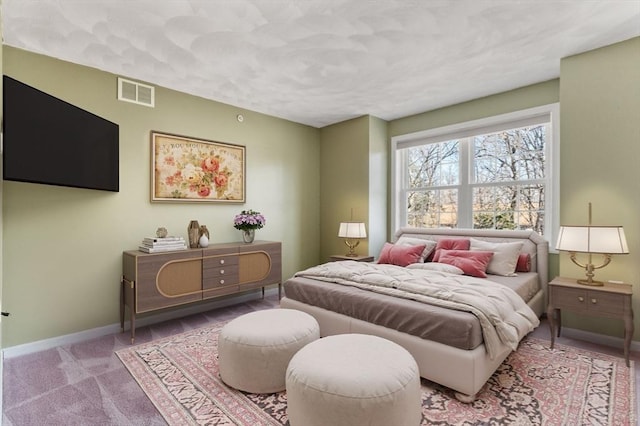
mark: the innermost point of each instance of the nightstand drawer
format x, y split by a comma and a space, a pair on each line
592, 301
569, 298
605, 303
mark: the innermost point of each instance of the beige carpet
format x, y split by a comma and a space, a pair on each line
535, 385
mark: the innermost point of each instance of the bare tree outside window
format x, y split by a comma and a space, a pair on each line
506, 182
432, 172
506, 167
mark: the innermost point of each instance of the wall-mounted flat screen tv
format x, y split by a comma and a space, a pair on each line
47, 140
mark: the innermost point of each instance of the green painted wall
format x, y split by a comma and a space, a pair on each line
502, 103
344, 182
63, 246
353, 173
600, 133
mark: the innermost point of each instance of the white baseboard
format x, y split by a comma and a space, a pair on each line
94, 333
600, 339
68, 339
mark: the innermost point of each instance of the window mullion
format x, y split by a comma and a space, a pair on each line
465, 193
404, 193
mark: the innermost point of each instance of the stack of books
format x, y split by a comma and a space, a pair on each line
157, 245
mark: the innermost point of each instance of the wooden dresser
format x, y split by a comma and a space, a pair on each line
151, 282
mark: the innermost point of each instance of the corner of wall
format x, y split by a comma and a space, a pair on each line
349, 151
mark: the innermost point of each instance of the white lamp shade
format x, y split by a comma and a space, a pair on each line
352, 230
592, 239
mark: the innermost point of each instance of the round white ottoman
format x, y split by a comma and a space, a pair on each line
255, 349
353, 379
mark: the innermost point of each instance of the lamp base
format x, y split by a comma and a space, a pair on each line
589, 268
591, 283
352, 246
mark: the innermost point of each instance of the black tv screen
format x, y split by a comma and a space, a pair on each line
49, 141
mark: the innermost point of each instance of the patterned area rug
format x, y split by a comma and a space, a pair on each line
534, 386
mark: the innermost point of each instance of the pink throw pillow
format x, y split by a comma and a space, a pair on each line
472, 263
400, 255
451, 244
524, 263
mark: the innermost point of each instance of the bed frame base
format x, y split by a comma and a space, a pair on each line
464, 371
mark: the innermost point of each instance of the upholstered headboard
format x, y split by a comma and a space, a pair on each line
533, 243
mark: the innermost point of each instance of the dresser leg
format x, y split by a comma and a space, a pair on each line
128, 299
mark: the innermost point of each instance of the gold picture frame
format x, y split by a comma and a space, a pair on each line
185, 169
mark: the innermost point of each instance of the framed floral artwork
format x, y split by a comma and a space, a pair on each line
196, 170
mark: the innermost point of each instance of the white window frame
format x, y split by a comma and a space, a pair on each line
492, 124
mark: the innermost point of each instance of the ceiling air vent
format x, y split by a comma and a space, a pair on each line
137, 93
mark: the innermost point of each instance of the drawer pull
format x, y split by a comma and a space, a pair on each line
222, 261
221, 271
221, 281
581, 299
594, 301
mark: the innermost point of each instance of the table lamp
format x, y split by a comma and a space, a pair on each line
353, 232
601, 240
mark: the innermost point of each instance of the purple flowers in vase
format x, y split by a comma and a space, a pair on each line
248, 221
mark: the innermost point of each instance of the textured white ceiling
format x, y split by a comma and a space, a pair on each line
320, 62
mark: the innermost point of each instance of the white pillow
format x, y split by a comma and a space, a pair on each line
428, 248
434, 266
505, 256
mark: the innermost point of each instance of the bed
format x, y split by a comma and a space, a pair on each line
451, 345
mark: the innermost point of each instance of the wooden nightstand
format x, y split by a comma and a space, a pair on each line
336, 257
610, 301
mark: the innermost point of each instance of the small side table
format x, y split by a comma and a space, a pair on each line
609, 301
359, 258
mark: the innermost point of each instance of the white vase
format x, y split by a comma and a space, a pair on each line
204, 241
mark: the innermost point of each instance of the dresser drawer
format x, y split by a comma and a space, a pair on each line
225, 275
212, 262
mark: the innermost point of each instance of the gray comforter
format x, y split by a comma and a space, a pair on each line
504, 317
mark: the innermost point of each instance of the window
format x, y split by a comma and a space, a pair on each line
494, 173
